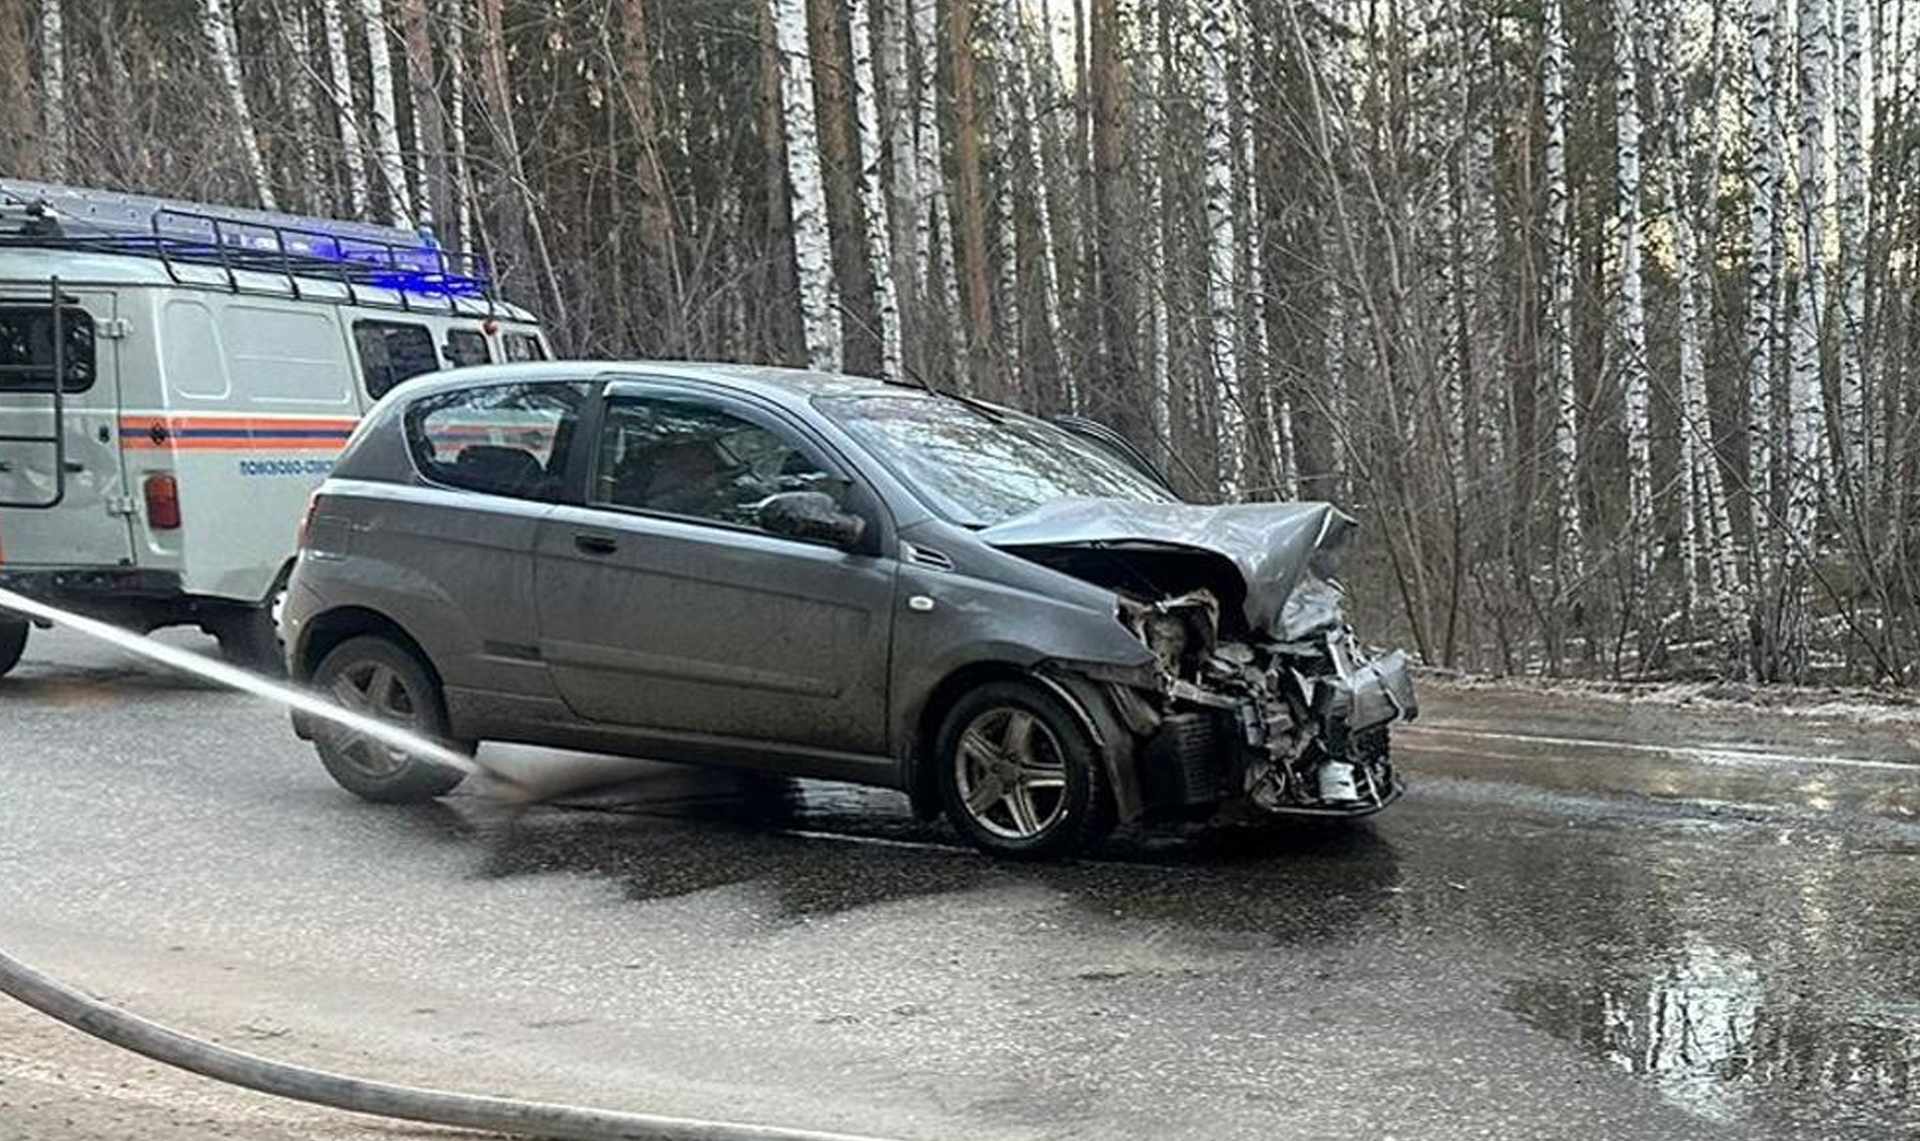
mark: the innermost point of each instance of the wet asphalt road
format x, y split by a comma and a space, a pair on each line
1584, 921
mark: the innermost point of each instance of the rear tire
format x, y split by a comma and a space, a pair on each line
1019, 774
13, 642
373, 675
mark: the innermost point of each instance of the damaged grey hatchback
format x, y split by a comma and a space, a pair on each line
1015, 622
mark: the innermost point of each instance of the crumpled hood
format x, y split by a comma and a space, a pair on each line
1275, 546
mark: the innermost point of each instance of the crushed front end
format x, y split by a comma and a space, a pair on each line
1296, 725
1259, 693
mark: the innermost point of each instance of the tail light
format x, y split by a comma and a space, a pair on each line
306, 521
163, 503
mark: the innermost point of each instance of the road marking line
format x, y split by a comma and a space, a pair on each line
1710, 752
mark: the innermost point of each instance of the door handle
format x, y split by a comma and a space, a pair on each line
595, 544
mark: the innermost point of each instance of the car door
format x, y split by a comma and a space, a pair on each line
452, 559
665, 608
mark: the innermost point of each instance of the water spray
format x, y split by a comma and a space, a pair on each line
68, 1005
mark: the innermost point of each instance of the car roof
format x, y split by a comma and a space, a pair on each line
781, 385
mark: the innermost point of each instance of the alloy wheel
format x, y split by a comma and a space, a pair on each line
1011, 773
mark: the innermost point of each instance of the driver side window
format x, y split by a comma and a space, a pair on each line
688, 456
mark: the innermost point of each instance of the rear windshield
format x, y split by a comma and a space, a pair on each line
978, 466
26, 348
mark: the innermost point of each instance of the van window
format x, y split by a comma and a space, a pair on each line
524, 347
467, 347
392, 351
26, 348
503, 439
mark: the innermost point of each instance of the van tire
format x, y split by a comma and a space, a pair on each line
13, 642
249, 637
369, 771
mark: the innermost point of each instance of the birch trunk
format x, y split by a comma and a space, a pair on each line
1631, 319
812, 245
895, 62
294, 35
460, 189
1010, 333
1275, 409
216, 21
1046, 256
1765, 163
1154, 267
1223, 324
1805, 422
1559, 323
340, 89
1855, 461
877, 221
56, 153
933, 241
429, 117
386, 122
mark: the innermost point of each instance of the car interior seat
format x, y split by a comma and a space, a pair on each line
498, 468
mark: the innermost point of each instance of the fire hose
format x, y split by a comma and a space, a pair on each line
128, 1031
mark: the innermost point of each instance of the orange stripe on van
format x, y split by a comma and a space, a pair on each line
234, 433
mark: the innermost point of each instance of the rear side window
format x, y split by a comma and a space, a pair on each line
524, 347
504, 439
466, 347
26, 348
392, 351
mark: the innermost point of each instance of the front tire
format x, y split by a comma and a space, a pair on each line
375, 676
1019, 774
13, 642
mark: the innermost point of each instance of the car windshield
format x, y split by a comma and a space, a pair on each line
979, 467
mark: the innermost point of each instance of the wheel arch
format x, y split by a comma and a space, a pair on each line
331, 628
1081, 697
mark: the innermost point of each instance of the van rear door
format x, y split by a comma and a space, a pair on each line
62, 504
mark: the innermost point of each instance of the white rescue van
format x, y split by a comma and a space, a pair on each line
213, 361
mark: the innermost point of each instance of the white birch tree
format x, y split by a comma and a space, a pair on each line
895, 61
386, 116
812, 248
340, 90
216, 22
1046, 255
878, 221
1223, 324
1765, 166
1853, 250
1559, 322
459, 173
1631, 314
1805, 421
1004, 131
1153, 262
933, 223
56, 157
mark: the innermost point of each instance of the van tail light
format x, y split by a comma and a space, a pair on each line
163, 503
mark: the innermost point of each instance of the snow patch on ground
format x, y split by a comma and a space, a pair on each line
1860, 705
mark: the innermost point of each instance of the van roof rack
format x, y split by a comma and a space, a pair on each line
412, 269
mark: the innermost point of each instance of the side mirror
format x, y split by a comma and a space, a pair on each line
811, 516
